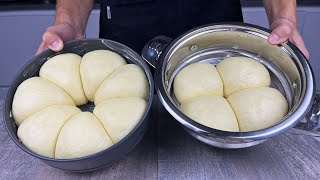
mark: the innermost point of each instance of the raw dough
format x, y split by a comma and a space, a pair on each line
35, 94
81, 136
239, 73
40, 131
120, 116
196, 80
212, 111
127, 81
64, 70
258, 108
95, 67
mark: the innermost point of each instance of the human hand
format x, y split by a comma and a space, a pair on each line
284, 29
55, 35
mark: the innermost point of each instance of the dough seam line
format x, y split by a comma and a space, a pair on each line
55, 145
104, 129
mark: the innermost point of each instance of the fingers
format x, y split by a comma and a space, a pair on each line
280, 34
52, 40
41, 48
283, 30
298, 41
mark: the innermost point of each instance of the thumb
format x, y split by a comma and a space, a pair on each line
280, 34
52, 41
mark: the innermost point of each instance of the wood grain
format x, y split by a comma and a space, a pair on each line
168, 152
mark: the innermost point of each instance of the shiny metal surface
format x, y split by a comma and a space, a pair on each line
153, 49
107, 156
289, 69
312, 121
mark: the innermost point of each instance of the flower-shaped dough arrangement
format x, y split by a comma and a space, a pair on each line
234, 96
45, 107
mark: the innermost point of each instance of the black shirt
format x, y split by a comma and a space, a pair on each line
135, 22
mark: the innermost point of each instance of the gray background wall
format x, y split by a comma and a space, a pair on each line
21, 33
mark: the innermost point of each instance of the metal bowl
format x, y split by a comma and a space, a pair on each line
290, 73
105, 157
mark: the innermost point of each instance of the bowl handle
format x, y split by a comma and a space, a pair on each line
153, 49
312, 119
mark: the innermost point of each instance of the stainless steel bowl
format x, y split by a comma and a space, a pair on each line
290, 73
107, 156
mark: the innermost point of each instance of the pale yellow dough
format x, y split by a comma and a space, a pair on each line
238, 73
119, 116
50, 124
82, 135
196, 80
95, 67
64, 70
258, 108
127, 81
35, 94
212, 111
40, 131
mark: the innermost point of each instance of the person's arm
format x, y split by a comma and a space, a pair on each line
70, 23
283, 23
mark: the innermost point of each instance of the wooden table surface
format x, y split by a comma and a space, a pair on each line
168, 152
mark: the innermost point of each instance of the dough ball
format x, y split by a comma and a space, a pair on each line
95, 67
35, 94
195, 80
64, 70
212, 111
258, 108
40, 131
82, 135
127, 81
238, 73
120, 116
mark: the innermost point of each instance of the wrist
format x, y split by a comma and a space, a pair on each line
63, 17
290, 20
286, 21
281, 9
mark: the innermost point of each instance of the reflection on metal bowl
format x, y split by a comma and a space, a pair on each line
290, 73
